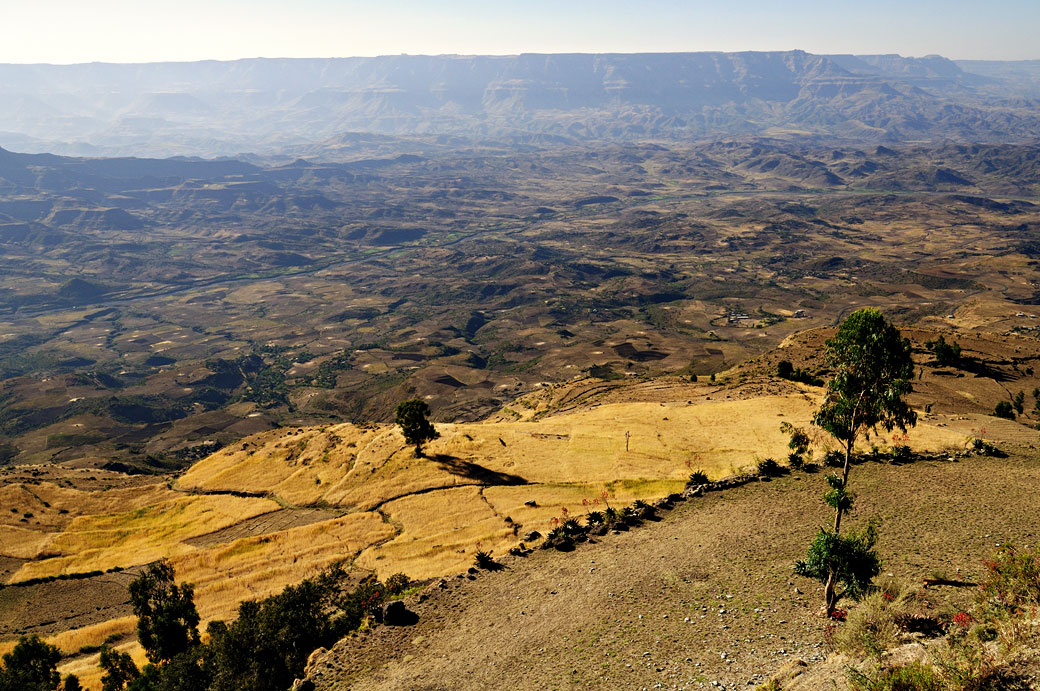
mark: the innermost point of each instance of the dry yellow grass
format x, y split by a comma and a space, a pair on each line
255, 567
70, 642
23, 544
105, 541
440, 531
89, 673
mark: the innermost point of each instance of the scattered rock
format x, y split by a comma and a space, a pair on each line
532, 536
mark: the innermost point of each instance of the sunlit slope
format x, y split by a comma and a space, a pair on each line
280, 506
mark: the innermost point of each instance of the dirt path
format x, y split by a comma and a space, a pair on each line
707, 594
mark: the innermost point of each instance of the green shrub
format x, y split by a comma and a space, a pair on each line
912, 677
785, 370
397, 584
946, 354
795, 461
834, 459
852, 556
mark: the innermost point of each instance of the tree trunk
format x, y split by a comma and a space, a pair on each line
844, 483
830, 598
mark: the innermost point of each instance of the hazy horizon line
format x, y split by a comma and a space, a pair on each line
504, 55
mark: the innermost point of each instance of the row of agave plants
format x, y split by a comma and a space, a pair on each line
567, 530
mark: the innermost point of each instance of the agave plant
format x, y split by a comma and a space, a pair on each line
571, 527
484, 560
594, 518
641, 509
555, 534
697, 478
768, 467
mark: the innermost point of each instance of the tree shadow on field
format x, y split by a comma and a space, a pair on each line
981, 368
475, 471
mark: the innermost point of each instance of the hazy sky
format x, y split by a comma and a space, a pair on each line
66, 31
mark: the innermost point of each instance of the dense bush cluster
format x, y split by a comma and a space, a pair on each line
264, 649
33, 666
785, 370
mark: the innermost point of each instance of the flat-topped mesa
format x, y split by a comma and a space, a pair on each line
210, 108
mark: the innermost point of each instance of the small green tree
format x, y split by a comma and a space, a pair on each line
119, 669
31, 666
946, 354
873, 370
851, 557
1005, 410
167, 621
1019, 401
800, 443
417, 429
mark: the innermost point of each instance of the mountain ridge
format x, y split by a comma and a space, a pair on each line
264, 105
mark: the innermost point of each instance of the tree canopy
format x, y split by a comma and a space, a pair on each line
167, 622
873, 371
31, 666
417, 429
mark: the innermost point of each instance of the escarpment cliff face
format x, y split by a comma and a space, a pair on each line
213, 108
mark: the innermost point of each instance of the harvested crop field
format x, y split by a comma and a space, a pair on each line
264, 524
49, 608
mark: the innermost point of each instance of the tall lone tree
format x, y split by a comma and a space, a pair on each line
417, 429
873, 371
